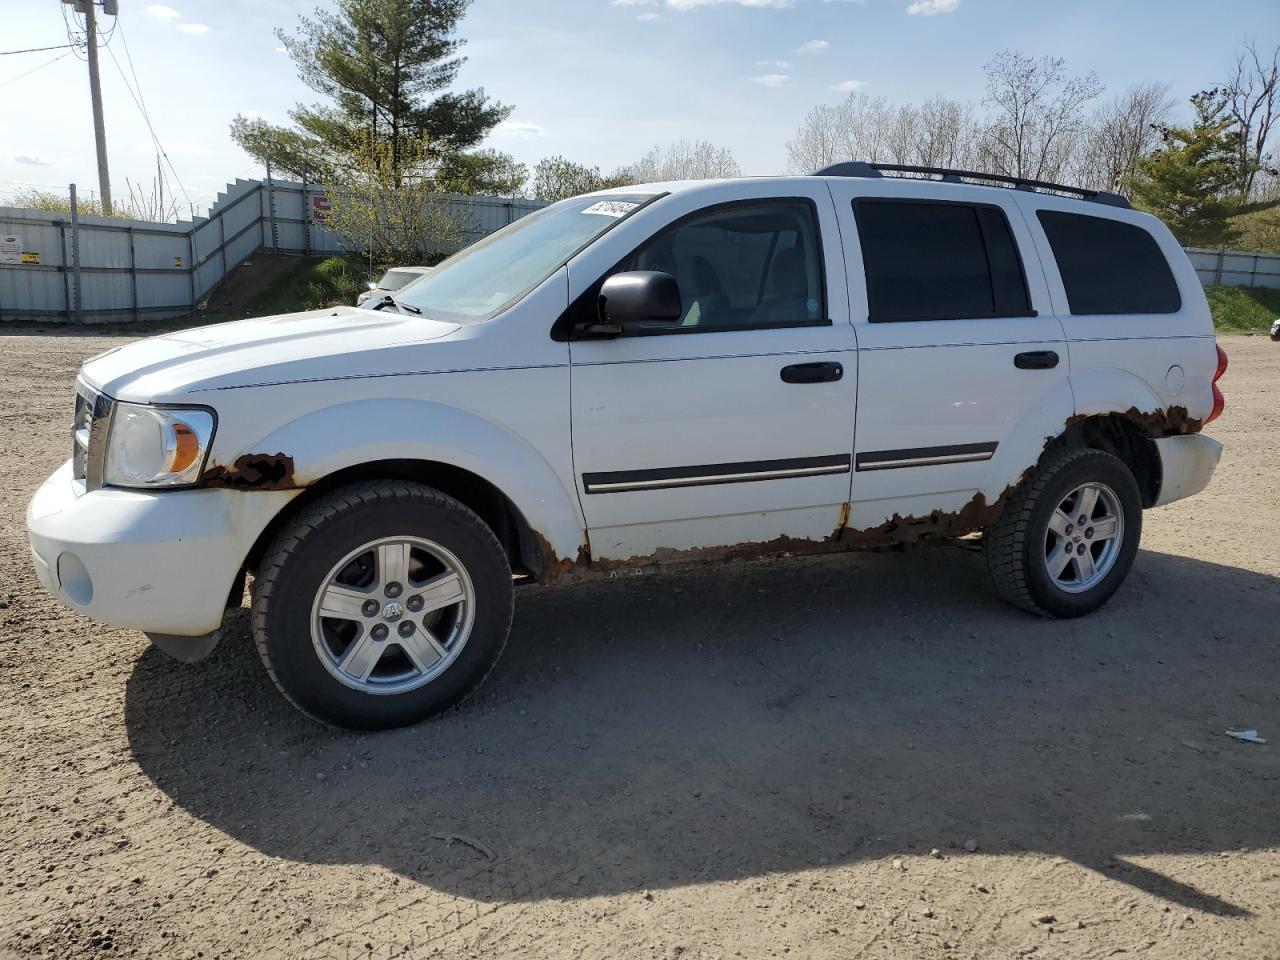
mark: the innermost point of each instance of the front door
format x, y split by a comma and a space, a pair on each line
733, 424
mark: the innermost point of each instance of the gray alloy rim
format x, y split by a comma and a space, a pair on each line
1084, 537
392, 615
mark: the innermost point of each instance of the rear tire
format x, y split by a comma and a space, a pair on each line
381, 604
1040, 555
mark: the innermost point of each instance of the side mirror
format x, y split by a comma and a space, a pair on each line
635, 298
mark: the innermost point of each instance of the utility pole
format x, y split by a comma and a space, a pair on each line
95, 93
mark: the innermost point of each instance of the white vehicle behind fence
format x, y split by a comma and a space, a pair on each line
682, 372
391, 282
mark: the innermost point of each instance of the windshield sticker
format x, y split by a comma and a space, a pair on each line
611, 208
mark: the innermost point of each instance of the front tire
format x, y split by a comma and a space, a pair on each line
381, 604
1069, 535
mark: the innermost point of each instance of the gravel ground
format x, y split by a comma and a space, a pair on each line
863, 756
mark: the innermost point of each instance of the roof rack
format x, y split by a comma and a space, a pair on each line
860, 168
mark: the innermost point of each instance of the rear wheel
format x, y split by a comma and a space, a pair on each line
381, 604
1069, 534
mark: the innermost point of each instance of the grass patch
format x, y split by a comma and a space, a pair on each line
306, 283
1243, 309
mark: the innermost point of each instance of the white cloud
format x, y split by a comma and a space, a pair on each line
685, 5
648, 16
160, 12
33, 161
281, 50
694, 4
195, 29
848, 86
927, 8
813, 46
772, 80
779, 64
518, 130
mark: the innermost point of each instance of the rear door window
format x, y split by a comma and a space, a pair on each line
1108, 266
936, 260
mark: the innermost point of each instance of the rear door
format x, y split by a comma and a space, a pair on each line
732, 426
963, 368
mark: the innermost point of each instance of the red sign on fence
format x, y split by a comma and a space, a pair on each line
319, 207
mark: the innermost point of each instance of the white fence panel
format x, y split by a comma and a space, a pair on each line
131, 269
1235, 268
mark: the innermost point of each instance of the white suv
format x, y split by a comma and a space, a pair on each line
683, 372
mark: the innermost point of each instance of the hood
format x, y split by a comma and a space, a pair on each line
316, 345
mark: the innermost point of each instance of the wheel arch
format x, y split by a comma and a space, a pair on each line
481, 463
525, 547
1124, 437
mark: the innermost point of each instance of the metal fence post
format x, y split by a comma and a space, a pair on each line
191, 265
222, 243
75, 250
66, 274
306, 220
133, 274
1217, 277
271, 213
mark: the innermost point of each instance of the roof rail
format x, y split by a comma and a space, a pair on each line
860, 168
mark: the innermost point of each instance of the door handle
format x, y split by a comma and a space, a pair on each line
812, 373
1036, 360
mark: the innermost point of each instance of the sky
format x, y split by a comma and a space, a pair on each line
598, 81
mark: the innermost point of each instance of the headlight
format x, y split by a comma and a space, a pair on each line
156, 446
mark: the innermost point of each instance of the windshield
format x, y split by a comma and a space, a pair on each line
395, 279
491, 274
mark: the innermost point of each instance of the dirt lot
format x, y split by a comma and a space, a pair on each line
745, 762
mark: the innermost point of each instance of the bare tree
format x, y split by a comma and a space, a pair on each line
685, 160
938, 133
947, 135
816, 143
1251, 95
1120, 131
1038, 115
857, 128
902, 133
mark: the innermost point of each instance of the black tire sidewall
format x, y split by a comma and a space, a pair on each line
299, 573
1094, 466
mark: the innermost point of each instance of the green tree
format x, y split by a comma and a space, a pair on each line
1190, 181
556, 178
384, 69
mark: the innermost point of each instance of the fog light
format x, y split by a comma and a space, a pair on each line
74, 579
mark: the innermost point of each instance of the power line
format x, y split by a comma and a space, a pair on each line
34, 69
140, 103
9, 53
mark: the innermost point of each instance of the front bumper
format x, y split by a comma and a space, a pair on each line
158, 561
1186, 465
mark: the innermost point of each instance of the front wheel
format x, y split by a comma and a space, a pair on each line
381, 604
1068, 536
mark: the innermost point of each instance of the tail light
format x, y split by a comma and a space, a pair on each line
1219, 401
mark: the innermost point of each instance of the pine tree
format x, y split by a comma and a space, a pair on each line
1189, 181
384, 68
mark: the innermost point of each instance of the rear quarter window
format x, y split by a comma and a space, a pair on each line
1108, 266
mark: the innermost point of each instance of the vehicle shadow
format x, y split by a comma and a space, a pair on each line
672, 729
